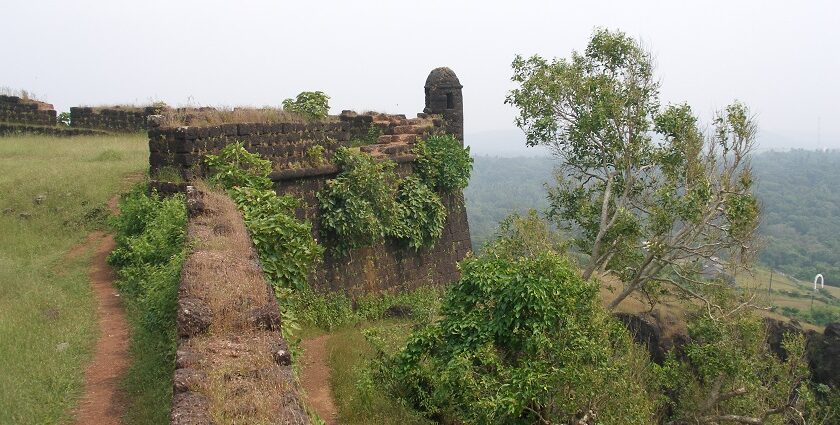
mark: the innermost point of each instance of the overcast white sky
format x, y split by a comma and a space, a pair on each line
780, 57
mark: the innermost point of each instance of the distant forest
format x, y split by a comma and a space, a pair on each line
799, 191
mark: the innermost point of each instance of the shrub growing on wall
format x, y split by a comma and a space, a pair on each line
285, 244
421, 214
442, 163
314, 104
358, 207
235, 166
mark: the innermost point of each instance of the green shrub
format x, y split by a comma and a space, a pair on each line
150, 250
312, 104
235, 166
358, 207
730, 356
442, 163
522, 341
421, 214
315, 155
285, 244
63, 119
524, 236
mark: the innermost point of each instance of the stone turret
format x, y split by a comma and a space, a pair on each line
443, 97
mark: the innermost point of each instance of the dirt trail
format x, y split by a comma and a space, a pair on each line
315, 377
102, 403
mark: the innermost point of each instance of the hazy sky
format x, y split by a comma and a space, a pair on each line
782, 58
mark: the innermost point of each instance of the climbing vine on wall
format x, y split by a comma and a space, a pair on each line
367, 202
358, 207
421, 214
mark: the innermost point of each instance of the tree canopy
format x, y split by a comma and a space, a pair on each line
651, 195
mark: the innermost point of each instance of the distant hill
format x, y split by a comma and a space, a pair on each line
799, 191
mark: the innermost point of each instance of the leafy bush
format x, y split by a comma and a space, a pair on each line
315, 155
235, 166
285, 244
63, 119
522, 340
421, 214
314, 104
442, 163
150, 234
525, 236
728, 370
358, 207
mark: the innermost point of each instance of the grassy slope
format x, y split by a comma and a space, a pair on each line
359, 399
45, 301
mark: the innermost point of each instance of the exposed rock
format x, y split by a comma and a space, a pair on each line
776, 330
39, 199
186, 358
194, 317
265, 317
186, 378
190, 408
648, 329
280, 353
154, 121
824, 355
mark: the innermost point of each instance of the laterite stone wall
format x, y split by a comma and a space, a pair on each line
14, 109
116, 118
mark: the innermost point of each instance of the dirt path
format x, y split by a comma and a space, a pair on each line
102, 403
315, 377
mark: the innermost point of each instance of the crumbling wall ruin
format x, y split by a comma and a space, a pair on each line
18, 110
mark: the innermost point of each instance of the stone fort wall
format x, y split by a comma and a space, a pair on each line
387, 266
125, 119
17, 110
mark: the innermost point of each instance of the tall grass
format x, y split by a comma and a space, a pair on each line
47, 315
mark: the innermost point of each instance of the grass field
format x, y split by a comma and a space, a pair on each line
789, 295
53, 191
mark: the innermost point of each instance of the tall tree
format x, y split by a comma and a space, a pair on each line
653, 198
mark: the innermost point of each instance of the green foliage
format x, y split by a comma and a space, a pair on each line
638, 205
729, 370
235, 166
525, 236
285, 244
63, 119
358, 207
421, 214
442, 163
150, 250
818, 315
315, 155
521, 340
314, 104
333, 310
